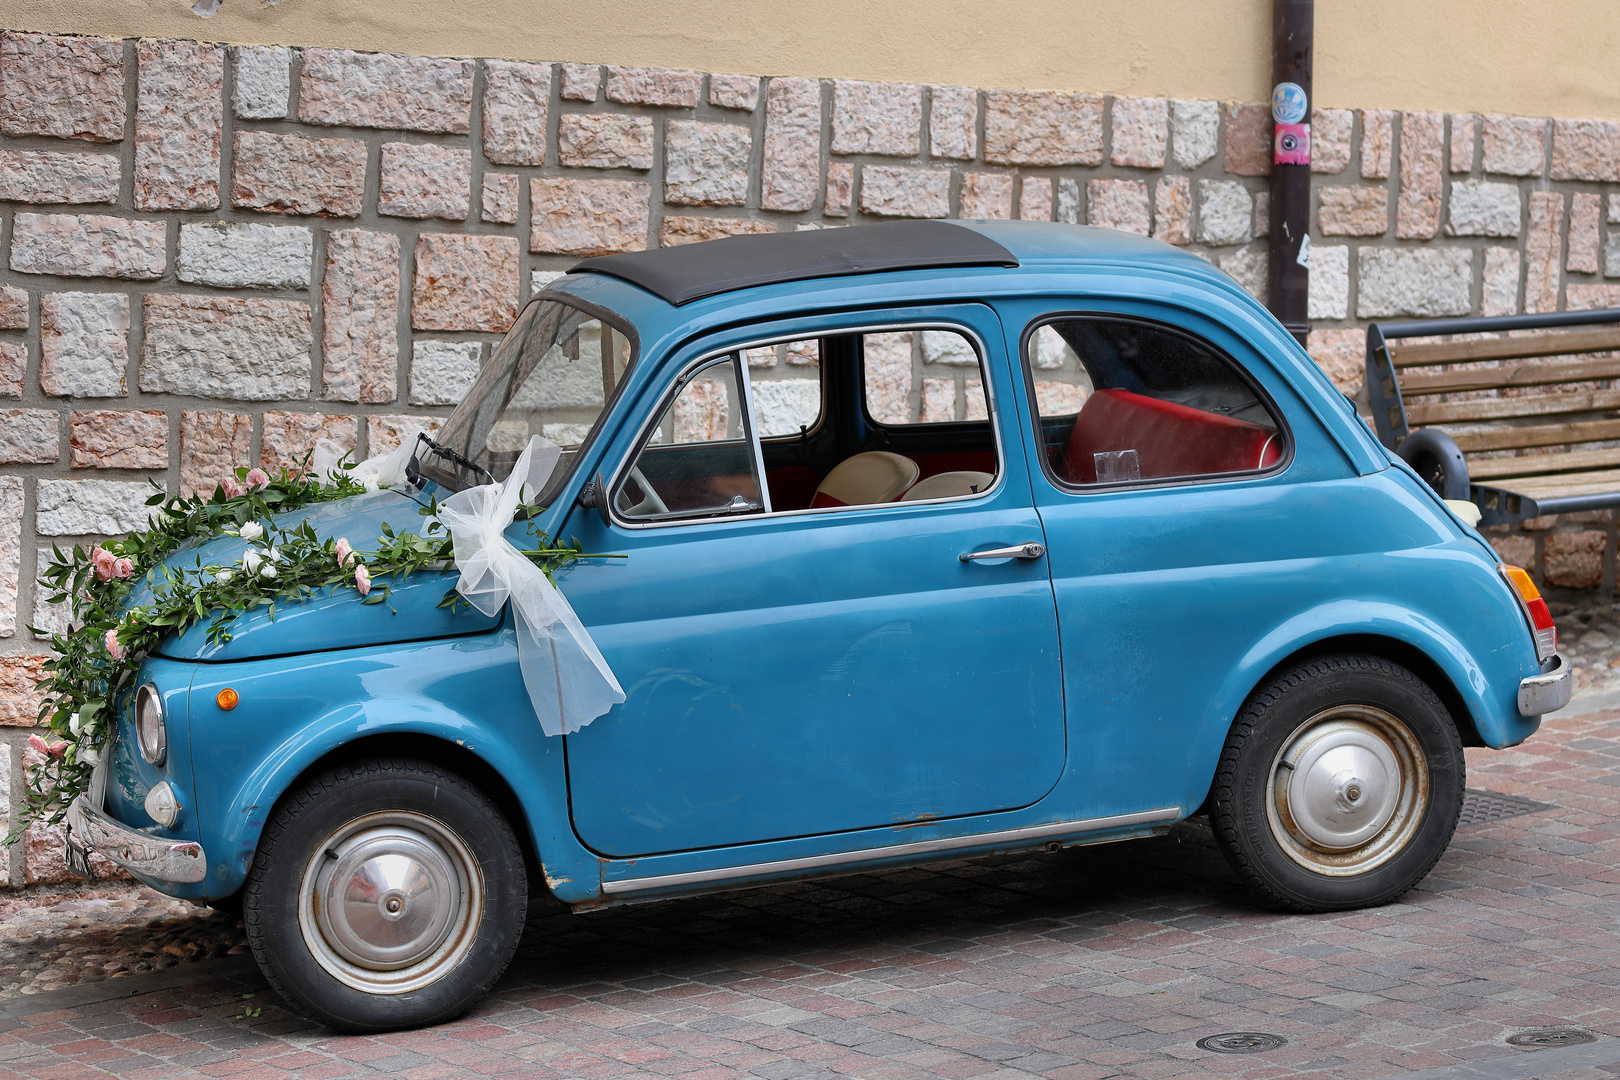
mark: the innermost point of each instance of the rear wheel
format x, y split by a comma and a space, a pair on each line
1340, 785
385, 894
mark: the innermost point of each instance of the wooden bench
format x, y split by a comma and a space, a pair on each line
1520, 426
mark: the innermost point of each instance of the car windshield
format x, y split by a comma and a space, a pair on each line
552, 375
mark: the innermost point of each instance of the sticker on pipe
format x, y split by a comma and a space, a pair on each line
1288, 103
1291, 144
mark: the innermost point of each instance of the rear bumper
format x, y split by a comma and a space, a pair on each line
142, 854
1549, 691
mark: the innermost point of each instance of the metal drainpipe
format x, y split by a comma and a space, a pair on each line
1289, 264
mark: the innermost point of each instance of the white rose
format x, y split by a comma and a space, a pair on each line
224, 576
89, 755
251, 561
73, 725
251, 531
267, 571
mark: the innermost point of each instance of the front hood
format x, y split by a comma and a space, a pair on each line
335, 619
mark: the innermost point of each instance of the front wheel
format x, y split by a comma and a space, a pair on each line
385, 894
1340, 785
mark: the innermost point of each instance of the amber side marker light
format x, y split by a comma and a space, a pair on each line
227, 698
1535, 610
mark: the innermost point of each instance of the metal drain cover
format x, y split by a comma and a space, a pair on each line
1241, 1042
1545, 1038
1482, 807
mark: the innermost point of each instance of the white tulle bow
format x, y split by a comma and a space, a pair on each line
568, 680
384, 470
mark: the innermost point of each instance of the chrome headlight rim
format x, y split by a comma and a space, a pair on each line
154, 743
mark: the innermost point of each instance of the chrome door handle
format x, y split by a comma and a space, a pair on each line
1022, 551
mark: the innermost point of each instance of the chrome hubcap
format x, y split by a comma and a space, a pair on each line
1348, 790
389, 902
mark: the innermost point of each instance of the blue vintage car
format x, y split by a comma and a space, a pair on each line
942, 539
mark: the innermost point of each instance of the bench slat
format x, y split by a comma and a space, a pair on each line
1527, 374
1439, 412
1517, 438
1552, 343
1541, 464
1553, 487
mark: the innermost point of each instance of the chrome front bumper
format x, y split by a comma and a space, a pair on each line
142, 854
1549, 691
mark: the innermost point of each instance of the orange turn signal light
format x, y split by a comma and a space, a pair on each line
1535, 610
227, 699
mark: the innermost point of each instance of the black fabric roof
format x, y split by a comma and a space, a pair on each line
693, 271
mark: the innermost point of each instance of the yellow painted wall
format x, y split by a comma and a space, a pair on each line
1533, 57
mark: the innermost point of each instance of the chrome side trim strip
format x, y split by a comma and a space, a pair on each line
894, 851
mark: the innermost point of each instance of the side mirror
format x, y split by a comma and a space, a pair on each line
593, 495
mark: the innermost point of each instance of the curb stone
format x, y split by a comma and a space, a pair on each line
73, 997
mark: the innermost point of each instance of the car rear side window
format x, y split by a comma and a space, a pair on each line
1125, 401
922, 377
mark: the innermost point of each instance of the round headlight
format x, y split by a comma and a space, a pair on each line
149, 727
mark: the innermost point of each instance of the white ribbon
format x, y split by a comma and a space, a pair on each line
569, 682
382, 471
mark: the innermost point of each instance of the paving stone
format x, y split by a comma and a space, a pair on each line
1417, 207
1329, 296
1172, 209
289, 174
213, 442
1042, 127
791, 173
1035, 198
1585, 209
464, 282
1543, 244
179, 118
117, 439
443, 371
734, 92
1330, 139
84, 344
263, 82
953, 122
63, 87
90, 507
1195, 130
1413, 281
424, 180
1248, 138
876, 118
239, 255
289, 437
678, 229
580, 82
901, 192
360, 331
50, 176
384, 90
1515, 145
1484, 208
13, 366
1118, 204
706, 164
587, 217
1225, 212
516, 100
1377, 142
605, 141
840, 186
499, 203
28, 436
1141, 129
248, 349
87, 245
1500, 294
985, 195
654, 86
1352, 211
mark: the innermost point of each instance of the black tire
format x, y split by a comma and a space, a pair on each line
344, 810
1356, 700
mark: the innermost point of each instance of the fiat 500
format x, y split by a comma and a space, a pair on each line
932, 540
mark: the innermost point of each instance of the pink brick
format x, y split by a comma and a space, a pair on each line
792, 168
360, 296
706, 164
516, 98
500, 198
1352, 211
1463, 142
1417, 208
1172, 210
289, 174
840, 183
13, 308
383, 90
64, 87
677, 230
1342, 356
1035, 198
1042, 127
212, 444
49, 176
985, 195
1118, 204
179, 117
1541, 251
118, 439
953, 117
605, 141
19, 700
1330, 139
1377, 142
587, 217
1583, 233
1141, 130
290, 436
1588, 296
734, 92
1586, 150
88, 245
580, 82
464, 282
423, 180
876, 118
1248, 138
385, 433
29, 437
13, 367
654, 86
901, 192
1574, 560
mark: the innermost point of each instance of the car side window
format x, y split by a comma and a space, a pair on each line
922, 377
1124, 400
698, 460
786, 382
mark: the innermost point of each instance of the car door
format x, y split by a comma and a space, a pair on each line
793, 671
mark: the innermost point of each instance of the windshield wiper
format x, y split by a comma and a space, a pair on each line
462, 472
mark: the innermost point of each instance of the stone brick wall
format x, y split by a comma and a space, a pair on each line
213, 255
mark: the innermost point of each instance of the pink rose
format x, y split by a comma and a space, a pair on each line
233, 490
258, 479
105, 563
362, 579
115, 650
344, 552
51, 749
123, 568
